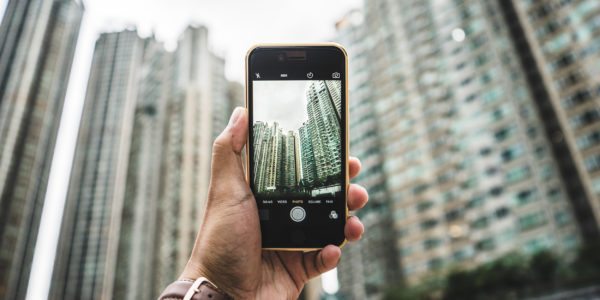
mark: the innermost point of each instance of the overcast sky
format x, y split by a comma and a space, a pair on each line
233, 27
280, 101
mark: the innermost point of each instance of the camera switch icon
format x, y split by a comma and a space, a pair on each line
335, 75
333, 215
309, 75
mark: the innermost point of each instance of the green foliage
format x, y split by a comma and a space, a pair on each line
515, 276
510, 277
430, 289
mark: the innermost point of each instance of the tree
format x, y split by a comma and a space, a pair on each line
544, 267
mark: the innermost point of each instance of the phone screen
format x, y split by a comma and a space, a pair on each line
297, 150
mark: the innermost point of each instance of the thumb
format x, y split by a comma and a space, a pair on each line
227, 148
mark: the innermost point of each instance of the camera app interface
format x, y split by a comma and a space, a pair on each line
297, 147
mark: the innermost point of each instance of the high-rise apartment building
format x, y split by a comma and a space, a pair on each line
368, 266
135, 275
309, 168
140, 175
468, 165
87, 253
198, 112
324, 126
290, 172
37, 44
559, 45
269, 158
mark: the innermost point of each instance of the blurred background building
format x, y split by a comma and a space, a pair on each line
477, 124
142, 159
474, 149
37, 43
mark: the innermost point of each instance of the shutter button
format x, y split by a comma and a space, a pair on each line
297, 214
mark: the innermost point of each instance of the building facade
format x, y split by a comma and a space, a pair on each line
88, 246
469, 167
37, 44
324, 129
135, 275
368, 266
142, 160
558, 42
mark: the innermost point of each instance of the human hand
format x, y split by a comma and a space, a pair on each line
228, 247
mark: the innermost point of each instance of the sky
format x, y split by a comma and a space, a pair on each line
280, 101
234, 26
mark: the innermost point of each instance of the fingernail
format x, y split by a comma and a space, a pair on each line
235, 116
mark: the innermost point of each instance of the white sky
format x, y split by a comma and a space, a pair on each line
233, 25
280, 101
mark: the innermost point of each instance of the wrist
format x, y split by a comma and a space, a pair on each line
194, 270
199, 289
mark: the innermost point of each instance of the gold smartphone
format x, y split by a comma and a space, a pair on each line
297, 149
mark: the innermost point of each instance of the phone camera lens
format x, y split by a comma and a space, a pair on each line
281, 57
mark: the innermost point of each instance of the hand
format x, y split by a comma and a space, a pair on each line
228, 247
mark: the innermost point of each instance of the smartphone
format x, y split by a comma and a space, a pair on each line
297, 150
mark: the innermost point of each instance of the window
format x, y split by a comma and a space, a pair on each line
462, 254
580, 97
431, 243
518, 174
453, 215
480, 223
525, 196
491, 95
485, 151
586, 118
554, 195
485, 244
428, 224
420, 189
512, 152
562, 218
496, 191
503, 133
563, 61
423, 206
502, 212
481, 59
588, 140
531, 221
475, 202
536, 244
592, 163
406, 251
435, 263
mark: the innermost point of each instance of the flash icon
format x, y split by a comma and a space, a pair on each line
257, 75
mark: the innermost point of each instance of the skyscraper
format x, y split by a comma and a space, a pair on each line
558, 43
87, 251
276, 158
290, 173
37, 44
141, 164
463, 148
324, 125
309, 168
198, 112
371, 264
269, 164
135, 274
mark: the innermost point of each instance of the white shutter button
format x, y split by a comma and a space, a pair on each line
297, 214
